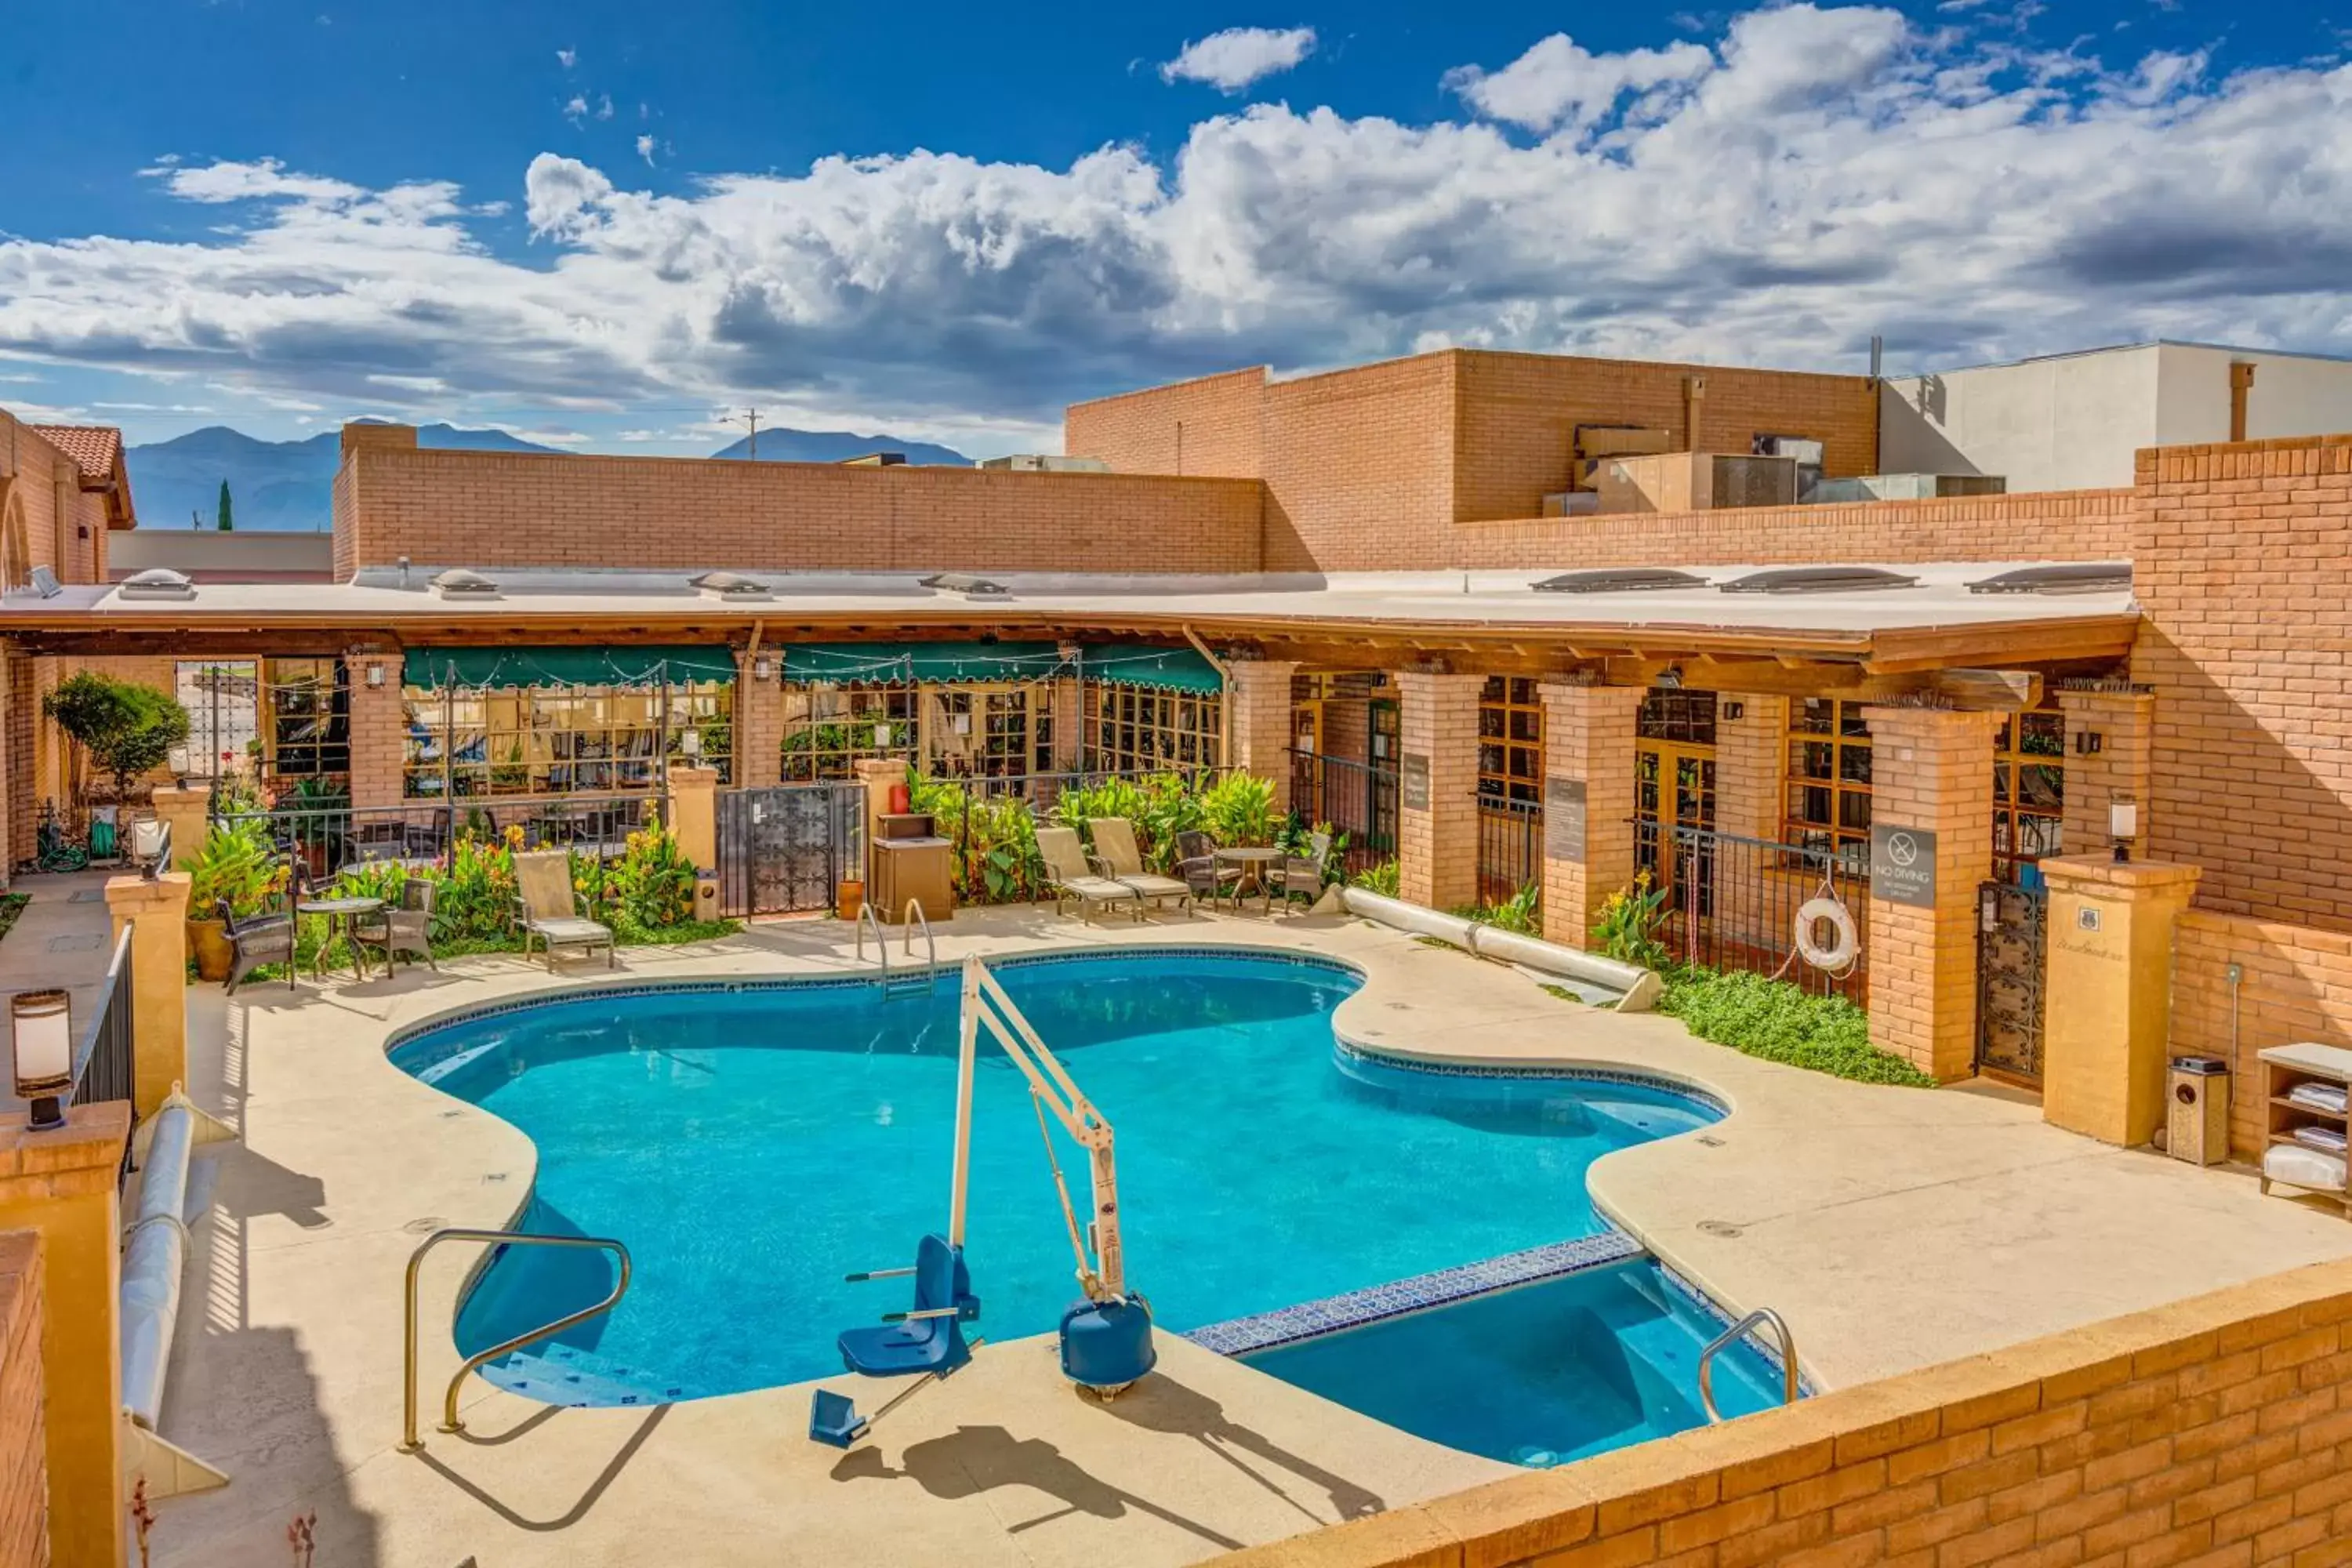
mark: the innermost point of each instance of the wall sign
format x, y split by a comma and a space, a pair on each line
1413, 782
1903, 865
1564, 819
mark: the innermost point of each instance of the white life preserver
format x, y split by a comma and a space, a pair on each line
1841, 954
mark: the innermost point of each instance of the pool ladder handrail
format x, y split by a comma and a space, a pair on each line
1762, 1317
915, 916
409, 1442
866, 917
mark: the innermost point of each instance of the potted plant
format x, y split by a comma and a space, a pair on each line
234, 864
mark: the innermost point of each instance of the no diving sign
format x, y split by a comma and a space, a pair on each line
1903, 865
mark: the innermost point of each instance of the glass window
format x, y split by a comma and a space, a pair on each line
1827, 794
986, 732
1510, 739
223, 698
1684, 717
1138, 729
828, 729
2029, 790
305, 719
560, 740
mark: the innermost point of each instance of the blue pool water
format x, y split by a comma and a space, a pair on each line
1539, 1376
753, 1145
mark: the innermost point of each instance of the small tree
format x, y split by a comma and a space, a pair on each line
228, 519
126, 727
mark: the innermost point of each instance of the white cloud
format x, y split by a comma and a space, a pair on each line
646, 147
1824, 174
568, 58
603, 106
1237, 57
575, 108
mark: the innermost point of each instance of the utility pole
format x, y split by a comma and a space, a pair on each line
752, 416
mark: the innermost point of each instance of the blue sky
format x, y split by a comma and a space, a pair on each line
605, 223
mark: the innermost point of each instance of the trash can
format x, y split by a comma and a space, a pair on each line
2198, 1128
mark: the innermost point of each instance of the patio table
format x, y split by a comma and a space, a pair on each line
346, 911
1251, 861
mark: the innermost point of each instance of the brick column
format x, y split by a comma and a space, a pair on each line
2107, 992
1750, 764
379, 723
1069, 726
1257, 720
184, 812
1931, 773
24, 1459
694, 814
1437, 795
759, 721
1588, 834
2125, 724
62, 1184
157, 912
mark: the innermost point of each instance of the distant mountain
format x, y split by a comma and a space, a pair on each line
273, 486
285, 486
785, 444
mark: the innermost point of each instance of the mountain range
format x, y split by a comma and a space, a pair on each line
284, 486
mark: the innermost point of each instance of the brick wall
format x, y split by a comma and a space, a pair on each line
1358, 467
2296, 986
516, 509
1437, 839
1214, 426
40, 487
1588, 742
379, 733
2215, 1432
24, 1465
2240, 560
1257, 721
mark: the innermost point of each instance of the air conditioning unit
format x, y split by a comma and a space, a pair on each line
1046, 463
1803, 449
1695, 481
1908, 487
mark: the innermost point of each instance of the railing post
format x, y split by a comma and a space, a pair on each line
156, 913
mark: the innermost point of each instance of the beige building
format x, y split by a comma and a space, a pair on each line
2072, 421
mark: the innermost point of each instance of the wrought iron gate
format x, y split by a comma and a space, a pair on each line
2011, 926
787, 848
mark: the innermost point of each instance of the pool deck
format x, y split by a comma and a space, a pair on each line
1893, 1229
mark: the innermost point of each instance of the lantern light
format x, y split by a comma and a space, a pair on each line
41, 1042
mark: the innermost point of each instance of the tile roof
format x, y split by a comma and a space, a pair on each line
95, 449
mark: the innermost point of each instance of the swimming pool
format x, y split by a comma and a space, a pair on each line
753, 1141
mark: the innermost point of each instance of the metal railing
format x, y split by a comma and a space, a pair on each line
327, 838
1760, 1318
105, 1064
1510, 847
409, 1441
866, 918
1732, 902
915, 916
1358, 799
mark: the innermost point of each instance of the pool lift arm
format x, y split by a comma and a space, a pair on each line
1106, 1337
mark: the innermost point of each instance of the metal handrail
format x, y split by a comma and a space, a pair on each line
409, 1442
915, 916
866, 917
1760, 1317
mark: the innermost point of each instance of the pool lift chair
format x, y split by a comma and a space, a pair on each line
1106, 1335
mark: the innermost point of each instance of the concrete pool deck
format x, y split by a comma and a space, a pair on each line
1893, 1229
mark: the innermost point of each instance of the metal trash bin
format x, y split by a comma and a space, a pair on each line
2198, 1127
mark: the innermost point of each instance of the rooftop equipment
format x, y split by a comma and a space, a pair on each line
1619, 580
964, 583
1695, 481
1045, 463
157, 583
1818, 580
1908, 487
730, 585
2070, 577
458, 582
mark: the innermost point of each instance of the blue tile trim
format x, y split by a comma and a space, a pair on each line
687, 985
1629, 1077
1764, 1345
1286, 1325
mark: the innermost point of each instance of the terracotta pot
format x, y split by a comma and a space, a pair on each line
208, 940
850, 898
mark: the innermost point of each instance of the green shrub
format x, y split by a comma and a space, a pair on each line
1782, 1022
236, 862
1238, 811
1521, 913
1629, 925
126, 729
1384, 879
653, 886
476, 900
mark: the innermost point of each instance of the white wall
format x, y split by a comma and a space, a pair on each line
2292, 395
2071, 422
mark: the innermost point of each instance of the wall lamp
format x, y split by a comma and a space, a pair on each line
2123, 824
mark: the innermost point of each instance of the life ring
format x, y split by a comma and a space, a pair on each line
1810, 914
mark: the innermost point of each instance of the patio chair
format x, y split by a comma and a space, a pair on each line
254, 941
548, 909
1116, 848
1208, 877
1074, 880
1302, 876
405, 927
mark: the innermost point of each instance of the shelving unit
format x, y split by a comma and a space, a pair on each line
2284, 1066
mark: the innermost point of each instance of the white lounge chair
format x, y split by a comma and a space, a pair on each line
548, 909
1073, 879
1116, 848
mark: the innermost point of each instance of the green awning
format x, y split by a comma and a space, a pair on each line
887, 663
432, 668
1169, 668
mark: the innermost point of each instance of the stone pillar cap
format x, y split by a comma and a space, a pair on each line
2122, 878
171, 889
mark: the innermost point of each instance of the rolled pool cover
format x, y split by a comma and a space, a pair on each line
152, 1262
1638, 987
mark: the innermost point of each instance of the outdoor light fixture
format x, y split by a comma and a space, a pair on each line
151, 846
882, 736
1669, 678
2088, 743
375, 675
763, 668
42, 1045
691, 744
2123, 824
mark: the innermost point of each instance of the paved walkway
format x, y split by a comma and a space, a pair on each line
1894, 1228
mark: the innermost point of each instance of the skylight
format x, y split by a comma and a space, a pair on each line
2070, 577
1619, 580
1818, 580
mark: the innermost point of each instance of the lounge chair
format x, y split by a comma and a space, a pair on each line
1303, 875
404, 927
256, 941
1073, 879
1207, 877
1114, 846
548, 909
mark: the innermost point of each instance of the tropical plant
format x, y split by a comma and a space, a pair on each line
1238, 810
476, 901
126, 729
1521, 913
1781, 1022
1385, 878
236, 862
996, 858
382, 879
1627, 928
653, 884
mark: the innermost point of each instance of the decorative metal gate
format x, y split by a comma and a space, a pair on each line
786, 848
2013, 924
